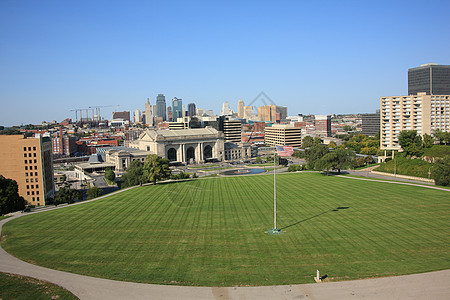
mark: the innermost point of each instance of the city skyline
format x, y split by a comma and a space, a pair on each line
318, 58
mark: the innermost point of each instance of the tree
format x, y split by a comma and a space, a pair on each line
63, 178
110, 175
428, 141
67, 195
338, 159
307, 142
411, 143
315, 153
347, 128
156, 168
94, 192
10, 200
299, 154
134, 175
441, 172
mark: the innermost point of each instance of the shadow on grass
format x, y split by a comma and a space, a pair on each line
315, 216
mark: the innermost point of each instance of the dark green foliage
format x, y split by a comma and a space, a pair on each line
110, 175
441, 172
258, 160
307, 142
314, 153
156, 168
299, 154
443, 137
437, 151
295, 168
94, 192
67, 195
362, 161
428, 141
181, 175
411, 143
338, 159
134, 175
10, 200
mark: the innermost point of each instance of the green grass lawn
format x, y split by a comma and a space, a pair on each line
20, 287
212, 232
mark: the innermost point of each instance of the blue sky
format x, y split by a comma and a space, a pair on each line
314, 57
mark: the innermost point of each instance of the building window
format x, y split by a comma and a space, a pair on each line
37, 186
35, 161
29, 148
37, 199
32, 186
25, 161
24, 155
26, 168
35, 167
24, 148
37, 192
28, 193
32, 192
30, 161
34, 154
35, 174
26, 173
31, 180
28, 187
26, 180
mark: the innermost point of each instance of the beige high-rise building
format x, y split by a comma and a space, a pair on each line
148, 113
29, 162
248, 112
283, 135
421, 112
240, 111
267, 113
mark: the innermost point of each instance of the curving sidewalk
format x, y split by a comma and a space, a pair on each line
433, 285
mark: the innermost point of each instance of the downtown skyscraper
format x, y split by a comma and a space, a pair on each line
177, 105
161, 106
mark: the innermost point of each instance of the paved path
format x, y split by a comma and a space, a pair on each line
433, 285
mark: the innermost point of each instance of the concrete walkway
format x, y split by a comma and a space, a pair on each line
433, 285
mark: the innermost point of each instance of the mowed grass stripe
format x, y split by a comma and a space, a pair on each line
213, 232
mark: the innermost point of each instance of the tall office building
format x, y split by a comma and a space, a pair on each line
267, 113
199, 112
124, 115
191, 110
177, 108
137, 116
232, 129
169, 114
283, 135
248, 112
226, 111
423, 113
432, 79
283, 111
323, 125
241, 111
29, 162
370, 123
161, 106
148, 113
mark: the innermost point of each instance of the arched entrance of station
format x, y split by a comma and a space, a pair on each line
172, 154
207, 152
190, 154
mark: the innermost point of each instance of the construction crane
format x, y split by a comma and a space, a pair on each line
97, 111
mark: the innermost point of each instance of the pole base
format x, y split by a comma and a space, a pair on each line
274, 231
